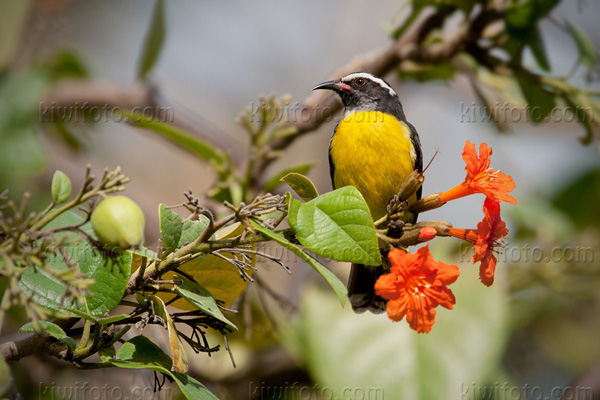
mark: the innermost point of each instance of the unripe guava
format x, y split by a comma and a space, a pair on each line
118, 222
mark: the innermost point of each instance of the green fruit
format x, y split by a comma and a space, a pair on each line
118, 222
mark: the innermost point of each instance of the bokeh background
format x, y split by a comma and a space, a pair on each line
538, 326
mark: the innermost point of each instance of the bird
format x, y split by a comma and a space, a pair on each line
373, 148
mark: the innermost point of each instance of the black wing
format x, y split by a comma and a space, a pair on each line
414, 138
331, 164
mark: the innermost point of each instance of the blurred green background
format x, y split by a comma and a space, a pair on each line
535, 330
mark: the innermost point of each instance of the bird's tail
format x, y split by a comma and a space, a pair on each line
361, 289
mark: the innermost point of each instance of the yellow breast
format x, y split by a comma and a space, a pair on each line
373, 152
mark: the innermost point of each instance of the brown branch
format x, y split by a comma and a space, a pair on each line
379, 62
36, 343
84, 94
586, 386
65, 97
321, 105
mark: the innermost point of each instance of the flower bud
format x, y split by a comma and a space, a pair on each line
118, 222
427, 203
427, 233
411, 185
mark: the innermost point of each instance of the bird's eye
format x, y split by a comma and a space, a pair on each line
360, 82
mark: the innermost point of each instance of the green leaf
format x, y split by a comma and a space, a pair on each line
5, 378
334, 282
540, 101
337, 225
180, 361
192, 230
221, 193
141, 350
276, 180
427, 72
585, 47
52, 330
301, 185
170, 226
21, 151
109, 273
66, 64
522, 20
67, 219
73, 312
155, 38
524, 15
575, 197
465, 5
201, 298
488, 108
64, 133
143, 252
416, 10
13, 22
584, 113
61, 187
374, 355
519, 16
180, 138
45, 326
536, 44
140, 353
113, 319
107, 353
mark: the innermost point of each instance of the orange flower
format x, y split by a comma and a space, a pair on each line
486, 238
416, 285
481, 178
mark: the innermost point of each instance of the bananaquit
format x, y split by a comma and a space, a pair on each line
374, 149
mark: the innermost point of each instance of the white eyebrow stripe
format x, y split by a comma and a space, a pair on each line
381, 82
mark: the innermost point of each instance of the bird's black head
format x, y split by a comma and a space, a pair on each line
362, 91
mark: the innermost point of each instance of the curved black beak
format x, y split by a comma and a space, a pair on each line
336, 86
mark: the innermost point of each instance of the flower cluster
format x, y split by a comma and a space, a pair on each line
417, 284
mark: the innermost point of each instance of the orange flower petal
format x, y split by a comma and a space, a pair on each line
476, 164
397, 257
447, 274
396, 309
481, 178
487, 269
422, 317
416, 285
387, 286
489, 233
